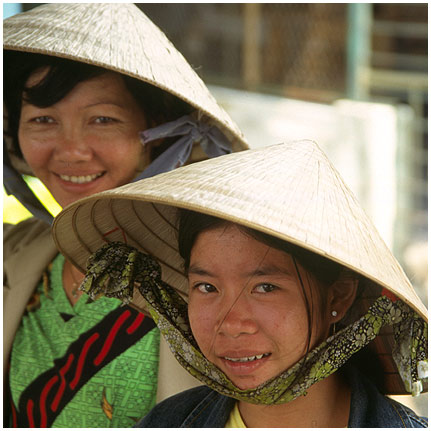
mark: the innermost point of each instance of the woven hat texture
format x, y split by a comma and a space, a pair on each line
290, 191
118, 37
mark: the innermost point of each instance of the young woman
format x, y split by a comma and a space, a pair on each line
95, 97
297, 315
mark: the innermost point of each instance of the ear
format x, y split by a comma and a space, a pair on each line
145, 157
341, 295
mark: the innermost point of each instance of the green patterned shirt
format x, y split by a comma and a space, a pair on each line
94, 364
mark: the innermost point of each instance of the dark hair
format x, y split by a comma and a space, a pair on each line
63, 75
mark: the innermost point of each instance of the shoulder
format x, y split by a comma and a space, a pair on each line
409, 418
191, 408
27, 248
22, 234
371, 409
174, 410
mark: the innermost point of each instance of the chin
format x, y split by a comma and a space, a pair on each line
244, 385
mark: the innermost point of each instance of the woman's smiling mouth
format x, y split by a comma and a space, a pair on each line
81, 179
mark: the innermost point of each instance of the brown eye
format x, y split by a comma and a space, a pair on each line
44, 119
205, 288
104, 120
265, 288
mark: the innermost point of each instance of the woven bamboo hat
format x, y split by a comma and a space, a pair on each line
117, 37
290, 191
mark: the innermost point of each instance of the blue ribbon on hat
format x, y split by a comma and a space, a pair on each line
211, 139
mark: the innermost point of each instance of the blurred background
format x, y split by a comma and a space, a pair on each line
351, 76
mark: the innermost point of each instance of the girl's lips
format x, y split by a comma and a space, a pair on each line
244, 365
246, 358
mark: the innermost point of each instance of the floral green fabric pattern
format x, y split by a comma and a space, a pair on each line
169, 310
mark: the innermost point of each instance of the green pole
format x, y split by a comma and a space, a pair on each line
359, 22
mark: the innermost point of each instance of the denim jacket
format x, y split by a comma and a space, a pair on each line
202, 407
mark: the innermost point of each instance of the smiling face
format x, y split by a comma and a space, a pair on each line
246, 308
88, 141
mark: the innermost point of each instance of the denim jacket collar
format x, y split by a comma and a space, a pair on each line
202, 407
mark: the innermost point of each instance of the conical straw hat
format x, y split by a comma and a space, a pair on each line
117, 37
290, 191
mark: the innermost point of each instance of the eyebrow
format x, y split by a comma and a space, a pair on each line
263, 270
197, 270
269, 270
103, 102
106, 102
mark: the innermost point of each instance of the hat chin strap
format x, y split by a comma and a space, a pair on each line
117, 268
15, 185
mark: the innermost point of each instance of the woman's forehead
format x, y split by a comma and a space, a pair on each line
231, 243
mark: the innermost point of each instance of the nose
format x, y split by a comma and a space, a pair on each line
72, 146
237, 319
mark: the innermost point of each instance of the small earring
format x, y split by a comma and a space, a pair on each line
334, 313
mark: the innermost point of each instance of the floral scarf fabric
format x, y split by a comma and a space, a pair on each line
116, 269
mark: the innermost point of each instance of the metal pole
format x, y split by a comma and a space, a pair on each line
359, 23
251, 46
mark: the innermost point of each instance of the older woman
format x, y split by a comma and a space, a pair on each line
298, 315
95, 97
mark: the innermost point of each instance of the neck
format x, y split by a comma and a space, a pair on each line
326, 405
72, 278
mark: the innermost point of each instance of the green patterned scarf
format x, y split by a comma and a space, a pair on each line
115, 269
